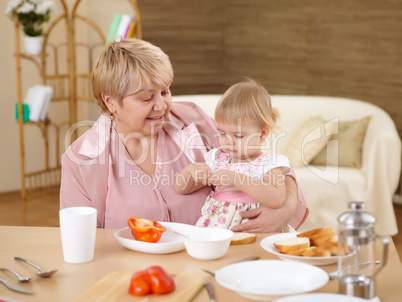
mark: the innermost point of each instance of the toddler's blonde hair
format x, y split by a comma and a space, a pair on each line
247, 102
123, 67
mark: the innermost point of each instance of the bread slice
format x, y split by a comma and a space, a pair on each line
328, 233
243, 238
299, 252
322, 253
310, 252
314, 232
292, 244
321, 239
331, 247
334, 248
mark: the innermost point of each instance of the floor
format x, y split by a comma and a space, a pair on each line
44, 211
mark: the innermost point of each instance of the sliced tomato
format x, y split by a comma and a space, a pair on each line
140, 285
161, 282
146, 229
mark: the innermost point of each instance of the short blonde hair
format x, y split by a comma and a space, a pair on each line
129, 64
248, 102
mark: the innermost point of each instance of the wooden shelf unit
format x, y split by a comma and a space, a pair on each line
70, 87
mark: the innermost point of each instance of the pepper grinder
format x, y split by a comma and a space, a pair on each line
357, 243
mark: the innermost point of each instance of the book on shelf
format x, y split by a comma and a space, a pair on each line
46, 103
113, 27
25, 112
124, 23
130, 31
38, 99
122, 27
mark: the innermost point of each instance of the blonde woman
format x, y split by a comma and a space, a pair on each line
243, 176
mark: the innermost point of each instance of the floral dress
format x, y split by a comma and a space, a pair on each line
221, 209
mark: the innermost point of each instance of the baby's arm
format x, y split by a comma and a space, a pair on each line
193, 177
270, 191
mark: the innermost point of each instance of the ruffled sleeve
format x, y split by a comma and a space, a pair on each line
267, 162
212, 160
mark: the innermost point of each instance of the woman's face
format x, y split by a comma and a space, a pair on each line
142, 112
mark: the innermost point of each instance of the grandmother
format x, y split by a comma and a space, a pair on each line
126, 164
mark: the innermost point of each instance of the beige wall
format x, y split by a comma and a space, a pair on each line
9, 151
10, 175
340, 48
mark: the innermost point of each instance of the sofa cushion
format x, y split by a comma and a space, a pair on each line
308, 141
348, 151
328, 192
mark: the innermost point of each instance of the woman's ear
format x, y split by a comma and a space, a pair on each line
109, 103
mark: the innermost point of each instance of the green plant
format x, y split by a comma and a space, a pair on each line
31, 14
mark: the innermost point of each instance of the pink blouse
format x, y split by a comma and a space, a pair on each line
98, 172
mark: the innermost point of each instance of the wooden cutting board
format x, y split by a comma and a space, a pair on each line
114, 287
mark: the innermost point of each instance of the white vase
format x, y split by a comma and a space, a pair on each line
33, 45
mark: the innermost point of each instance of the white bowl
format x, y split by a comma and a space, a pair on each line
207, 243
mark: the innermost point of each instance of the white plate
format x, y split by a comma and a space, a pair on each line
268, 244
271, 279
317, 297
169, 243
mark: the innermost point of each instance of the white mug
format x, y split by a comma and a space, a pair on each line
78, 232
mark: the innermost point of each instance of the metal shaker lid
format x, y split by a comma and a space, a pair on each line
356, 219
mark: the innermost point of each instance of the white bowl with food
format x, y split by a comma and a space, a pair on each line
207, 243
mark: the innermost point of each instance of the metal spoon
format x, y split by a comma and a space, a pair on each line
20, 278
334, 275
41, 273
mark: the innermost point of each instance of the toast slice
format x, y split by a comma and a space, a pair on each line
292, 244
299, 252
321, 239
243, 238
322, 253
315, 232
310, 252
334, 248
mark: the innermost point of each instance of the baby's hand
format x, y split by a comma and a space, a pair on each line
201, 173
223, 179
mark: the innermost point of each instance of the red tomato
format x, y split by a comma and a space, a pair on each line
146, 229
139, 285
161, 282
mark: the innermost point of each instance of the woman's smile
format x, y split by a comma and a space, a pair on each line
156, 118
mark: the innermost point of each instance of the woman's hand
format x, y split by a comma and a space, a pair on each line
264, 219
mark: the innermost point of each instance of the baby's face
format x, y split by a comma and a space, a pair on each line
242, 142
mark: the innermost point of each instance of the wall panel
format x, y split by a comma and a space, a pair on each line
266, 41
342, 48
191, 33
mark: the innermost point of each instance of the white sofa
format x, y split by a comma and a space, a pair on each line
329, 189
